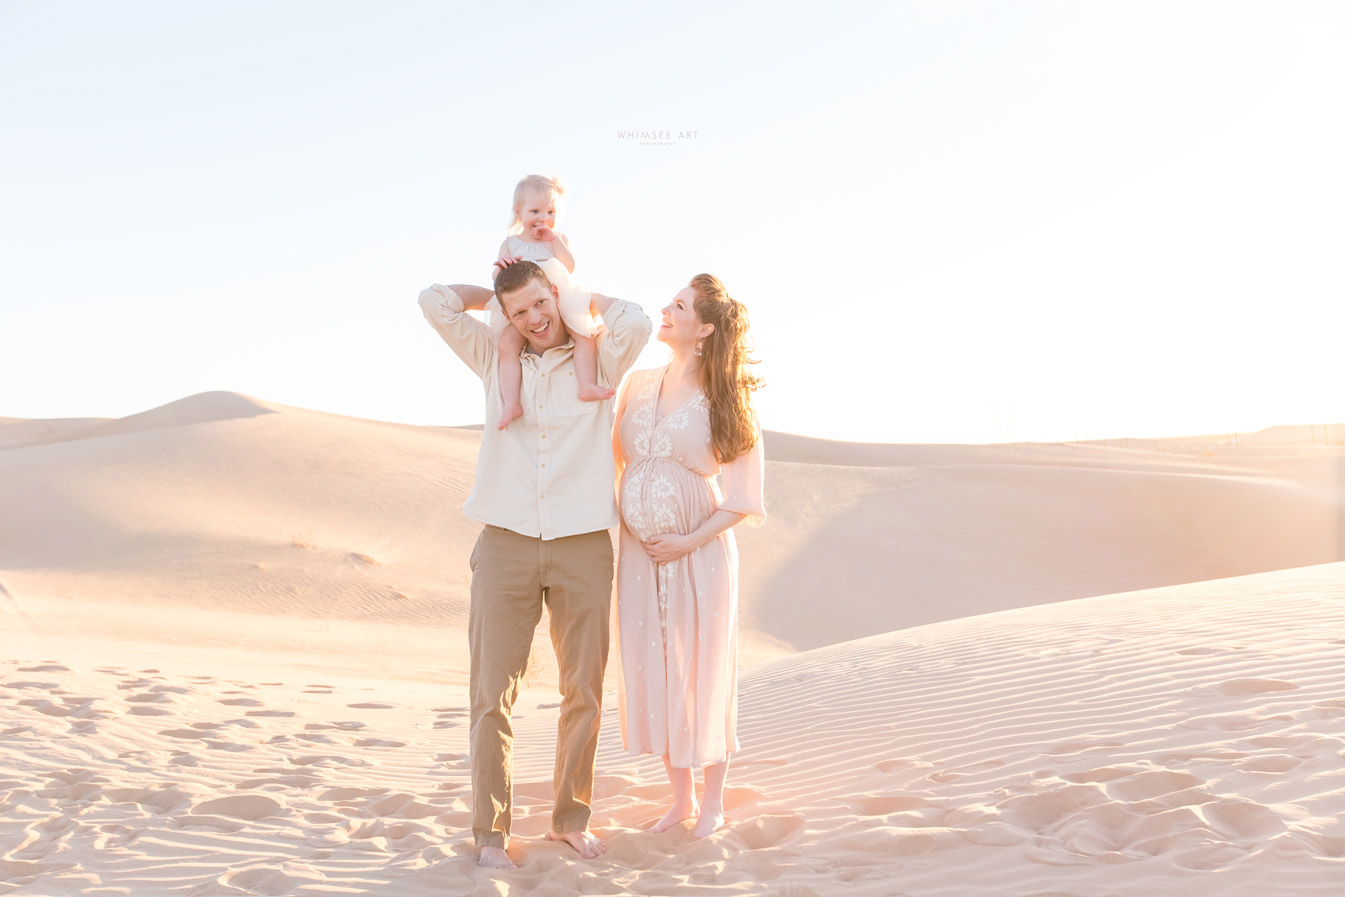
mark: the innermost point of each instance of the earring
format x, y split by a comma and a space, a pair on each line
698, 347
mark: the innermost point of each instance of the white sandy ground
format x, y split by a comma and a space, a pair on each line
232, 662
1187, 740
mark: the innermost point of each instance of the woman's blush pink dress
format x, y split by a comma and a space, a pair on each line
677, 623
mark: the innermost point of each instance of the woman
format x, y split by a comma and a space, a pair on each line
677, 571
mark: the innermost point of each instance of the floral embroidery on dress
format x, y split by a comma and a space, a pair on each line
648, 492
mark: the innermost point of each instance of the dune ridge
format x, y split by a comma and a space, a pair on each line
322, 523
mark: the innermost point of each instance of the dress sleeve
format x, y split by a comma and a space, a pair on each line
742, 482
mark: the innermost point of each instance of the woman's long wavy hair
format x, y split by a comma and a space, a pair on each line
725, 379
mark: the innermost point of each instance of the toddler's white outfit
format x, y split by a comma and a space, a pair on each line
574, 303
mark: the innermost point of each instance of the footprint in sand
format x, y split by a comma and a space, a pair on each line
144, 710
270, 881
168, 800
1101, 774
402, 806
1208, 857
83, 791
1275, 763
768, 831
348, 794
454, 761
250, 807
45, 668
342, 726
18, 872
1039, 811
1148, 785
327, 760
882, 805
1243, 820
287, 781
372, 705
1254, 686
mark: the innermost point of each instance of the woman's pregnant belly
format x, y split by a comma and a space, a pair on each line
660, 496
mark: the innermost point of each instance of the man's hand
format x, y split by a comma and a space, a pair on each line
667, 547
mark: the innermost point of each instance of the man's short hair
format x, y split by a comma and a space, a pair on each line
517, 275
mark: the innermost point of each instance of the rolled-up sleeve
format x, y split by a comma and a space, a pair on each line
469, 338
743, 484
623, 337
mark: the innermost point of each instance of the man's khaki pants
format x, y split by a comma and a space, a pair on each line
512, 575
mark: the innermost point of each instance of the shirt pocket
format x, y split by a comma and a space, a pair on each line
565, 395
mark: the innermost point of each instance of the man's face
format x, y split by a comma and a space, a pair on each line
532, 309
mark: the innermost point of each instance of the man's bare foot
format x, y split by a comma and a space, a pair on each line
495, 858
594, 393
707, 824
674, 815
588, 845
510, 413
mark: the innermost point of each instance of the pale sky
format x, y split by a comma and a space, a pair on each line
951, 222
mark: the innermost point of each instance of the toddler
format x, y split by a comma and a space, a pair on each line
532, 237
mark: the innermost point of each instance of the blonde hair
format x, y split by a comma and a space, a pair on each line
724, 378
542, 184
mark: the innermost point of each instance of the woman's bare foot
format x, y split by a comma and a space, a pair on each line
677, 813
707, 823
495, 858
589, 845
510, 413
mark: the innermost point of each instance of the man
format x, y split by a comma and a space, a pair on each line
544, 490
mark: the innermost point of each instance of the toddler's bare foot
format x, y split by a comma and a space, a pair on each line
707, 824
675, 814
495, 858
511, 412
594, 393
586, 843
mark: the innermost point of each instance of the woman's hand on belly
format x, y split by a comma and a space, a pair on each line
668, 547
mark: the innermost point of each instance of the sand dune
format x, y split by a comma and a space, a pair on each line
1181, 741
342, 527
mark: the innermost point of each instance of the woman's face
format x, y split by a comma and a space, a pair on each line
681, 326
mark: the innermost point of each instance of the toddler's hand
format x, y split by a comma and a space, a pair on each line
505, 260
543, 233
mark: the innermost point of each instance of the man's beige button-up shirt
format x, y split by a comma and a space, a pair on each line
550, 473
